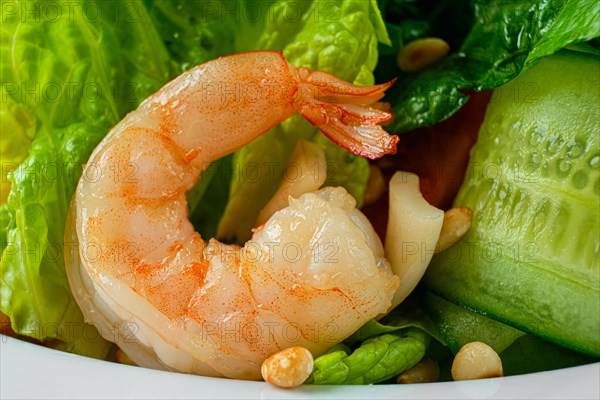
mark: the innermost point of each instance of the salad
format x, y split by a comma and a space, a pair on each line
523, 281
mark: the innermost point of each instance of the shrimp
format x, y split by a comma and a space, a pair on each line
310, 276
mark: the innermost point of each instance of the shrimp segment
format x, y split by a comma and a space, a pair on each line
310, 276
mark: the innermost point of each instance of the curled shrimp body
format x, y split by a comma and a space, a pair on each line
310, 276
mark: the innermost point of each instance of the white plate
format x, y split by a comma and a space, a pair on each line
30, 371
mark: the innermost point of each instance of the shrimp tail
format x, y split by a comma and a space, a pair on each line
344, 113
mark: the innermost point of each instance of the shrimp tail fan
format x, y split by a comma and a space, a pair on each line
345, 114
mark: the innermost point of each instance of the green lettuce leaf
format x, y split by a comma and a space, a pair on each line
5, 222
376, 360
339, 37
17, 119
506, 38
67, 81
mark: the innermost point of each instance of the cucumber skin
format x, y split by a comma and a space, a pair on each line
520, 353
460, 326
531, 257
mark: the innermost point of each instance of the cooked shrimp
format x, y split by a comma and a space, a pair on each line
310, 276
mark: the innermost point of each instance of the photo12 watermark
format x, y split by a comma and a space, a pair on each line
133, 12
71, 11
234, 331
130, 252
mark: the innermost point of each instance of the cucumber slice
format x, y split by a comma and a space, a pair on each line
531, 258
460, 326
520, 353
529, 354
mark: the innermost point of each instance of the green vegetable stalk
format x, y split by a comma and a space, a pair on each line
376, 360
382, 350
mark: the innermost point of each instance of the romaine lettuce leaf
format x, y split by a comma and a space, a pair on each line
67, 80
339, 37
5, 222
17, 119
506, 38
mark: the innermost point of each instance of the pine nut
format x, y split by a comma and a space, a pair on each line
476, 360
288, 368
425, 371
421, 53
457, 222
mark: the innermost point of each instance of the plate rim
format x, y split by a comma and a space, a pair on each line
54, 370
